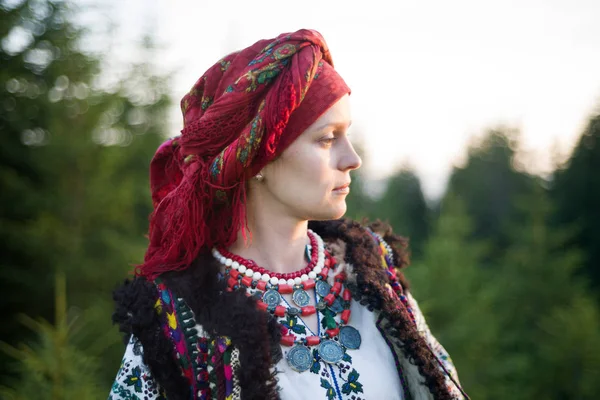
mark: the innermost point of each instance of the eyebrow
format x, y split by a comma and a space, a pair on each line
334, 124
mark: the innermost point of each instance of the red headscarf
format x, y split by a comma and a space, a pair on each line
240, 115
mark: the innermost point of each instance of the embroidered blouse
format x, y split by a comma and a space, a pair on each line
368, 372
134, 380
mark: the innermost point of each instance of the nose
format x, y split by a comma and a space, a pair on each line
350, 159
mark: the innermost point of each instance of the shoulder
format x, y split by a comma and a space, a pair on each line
134, 305
375, 236
370, 235
367, 246
145, 310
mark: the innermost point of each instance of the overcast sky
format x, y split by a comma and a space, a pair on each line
426, 76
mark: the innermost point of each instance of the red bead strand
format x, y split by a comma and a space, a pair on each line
314, 258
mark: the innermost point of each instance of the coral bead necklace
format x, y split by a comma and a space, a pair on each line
269, 287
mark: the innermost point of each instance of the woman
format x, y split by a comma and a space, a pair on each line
239, 295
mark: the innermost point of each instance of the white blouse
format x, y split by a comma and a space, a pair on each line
368, 372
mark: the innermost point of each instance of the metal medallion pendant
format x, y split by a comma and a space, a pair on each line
293, 311
258, 295
331, 351
337, 306
350, 337
322, 288
272, 298
307, 252
321, 305
299, 358
301, 298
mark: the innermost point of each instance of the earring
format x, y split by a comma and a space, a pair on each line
259, 177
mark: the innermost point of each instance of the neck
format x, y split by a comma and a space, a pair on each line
277, 244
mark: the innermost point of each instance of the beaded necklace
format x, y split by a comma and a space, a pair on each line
336, 299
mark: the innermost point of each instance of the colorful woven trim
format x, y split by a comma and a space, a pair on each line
387, 261
220, 370
203, 384
208, 364
179, 326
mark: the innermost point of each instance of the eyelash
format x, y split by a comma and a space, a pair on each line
328, 140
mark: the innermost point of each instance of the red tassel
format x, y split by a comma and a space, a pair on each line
181, 226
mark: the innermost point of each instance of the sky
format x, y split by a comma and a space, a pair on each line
426, 76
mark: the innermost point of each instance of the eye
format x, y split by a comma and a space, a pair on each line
328, 141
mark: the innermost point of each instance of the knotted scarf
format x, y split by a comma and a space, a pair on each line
240, 115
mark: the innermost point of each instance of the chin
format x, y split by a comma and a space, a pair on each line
340, 213
329, 213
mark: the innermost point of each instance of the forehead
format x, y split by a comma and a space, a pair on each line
337, 114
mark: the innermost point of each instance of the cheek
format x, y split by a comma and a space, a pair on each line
301, 178
302, 181
309, 168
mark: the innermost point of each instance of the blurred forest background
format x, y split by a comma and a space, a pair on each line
506, 265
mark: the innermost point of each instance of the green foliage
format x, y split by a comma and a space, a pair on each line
454, 294
74, 172
526, 328
40, 52
569, 350
537, 292
403, 205
52, 367
576, 192
359, 202
489, 183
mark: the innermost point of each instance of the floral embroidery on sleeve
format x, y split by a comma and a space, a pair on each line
133, 381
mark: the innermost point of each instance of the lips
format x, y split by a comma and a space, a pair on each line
343, 187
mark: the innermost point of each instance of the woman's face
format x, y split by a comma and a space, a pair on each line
311, 178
